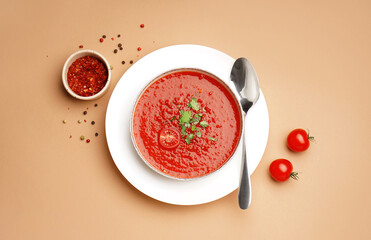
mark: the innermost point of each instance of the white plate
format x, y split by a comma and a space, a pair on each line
196, 191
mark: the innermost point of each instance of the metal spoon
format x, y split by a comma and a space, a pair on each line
246, 84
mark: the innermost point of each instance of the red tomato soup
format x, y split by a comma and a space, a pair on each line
186, 124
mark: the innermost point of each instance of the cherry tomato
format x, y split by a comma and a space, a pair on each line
281, 170
169, 138
298, 140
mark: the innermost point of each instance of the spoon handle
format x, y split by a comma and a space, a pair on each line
244, 192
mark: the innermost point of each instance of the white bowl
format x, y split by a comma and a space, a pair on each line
71, 59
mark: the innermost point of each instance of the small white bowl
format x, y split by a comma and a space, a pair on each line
71, 59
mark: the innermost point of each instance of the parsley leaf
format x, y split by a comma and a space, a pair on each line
187, 140
186, 116
212, 139
194, 104
191, 136
198, 133
204, 124
171, 119
183, 131
193, 127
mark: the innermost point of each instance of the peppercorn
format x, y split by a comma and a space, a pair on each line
82, 138
88, 140
96, 134
96, 105
123, 62
119, 45
118, 35
121, 48
92, 122
85, 112
115, 51
142, 25
131, 61
104, 36
139, 48
101, 40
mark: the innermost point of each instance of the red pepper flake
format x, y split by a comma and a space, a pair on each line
87, 76
84, 120
101, 40
142, 25
68, 108
87, 108
139, 48
70, 136
81, 46
112, 38
88, 140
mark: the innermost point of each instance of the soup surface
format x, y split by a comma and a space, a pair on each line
186, 124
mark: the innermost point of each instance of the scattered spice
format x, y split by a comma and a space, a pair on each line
85, 112
84, 120
121, 48
88, 140
142, 25
68, 108
79, 121
70, 136
111, 67
81, 46
101, 40
123, 62
64, 121
96, 134
139, 48
119, 45
104, 36
96, 105
118, 35
82, 138
131, 61
92, 122
87, 76
115, 51
87, 108
112, 38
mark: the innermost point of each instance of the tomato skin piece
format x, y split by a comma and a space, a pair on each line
298, 140
281, 169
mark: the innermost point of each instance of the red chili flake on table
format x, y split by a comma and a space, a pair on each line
142, 25
101, 40
87, 76
84, 120
88, 140
81, 46
139, 48
112, 39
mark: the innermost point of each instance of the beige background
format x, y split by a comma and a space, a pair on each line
313, 60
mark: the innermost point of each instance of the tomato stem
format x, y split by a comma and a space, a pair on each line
310, 138
294, 175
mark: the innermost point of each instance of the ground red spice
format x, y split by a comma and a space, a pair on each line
87, 76
142, 25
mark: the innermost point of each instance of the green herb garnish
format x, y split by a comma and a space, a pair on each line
191, 136
212, 139
193, 127
204, 124
186, 116
183, 131
194, 104
198, 133
171, 119
187, 140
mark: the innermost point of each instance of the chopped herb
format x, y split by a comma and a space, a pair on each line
187, 125
198, 115
194, 104
191, 136
178, 106
187, 140
183, 131
186, 116
204, 109
193, 127
204, 124
171, 119
197, 94
198, 133
212, 139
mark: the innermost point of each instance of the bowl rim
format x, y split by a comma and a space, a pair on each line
71, 59
153, 81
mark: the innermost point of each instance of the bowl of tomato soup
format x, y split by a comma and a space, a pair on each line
186, 124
